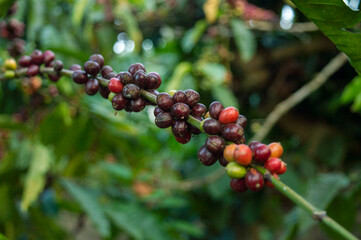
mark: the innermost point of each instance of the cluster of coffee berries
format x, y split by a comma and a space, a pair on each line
11, 29
244, 176
173, 110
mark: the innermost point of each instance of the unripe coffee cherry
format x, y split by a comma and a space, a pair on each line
49, 56
119, 102
37, 57
9, 74
164, 120
91, 68
215, 144
80, 76
254, 180
179, 97
234, 170
165, 101
115, 86
215, 108
112, 95
206, 157
98, 59
238, 185
261, 153
232, 132
180, 110
192, 97
92, 86
228, 152
199, 110
180, 128
276, 149
211, 126
228, 115
10, 64
242, 154
131, 91
135, 67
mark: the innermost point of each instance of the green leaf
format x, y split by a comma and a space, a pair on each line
225, 96
179, 73
2, 237
192, 36
7, 122
90, 205
79, 11
215, 72
245, 40
35, 179
356, 106
187, 227
4, 7
335, 20
351, 90
118, 170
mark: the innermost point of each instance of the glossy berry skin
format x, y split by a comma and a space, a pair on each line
215, 144
98, 59
153, 80
115, 86
180, 110
119, 102
261, 153
273, 164
75, 67
215, 108
136, 105
232, 132
25, 61
80, 76
211, 126
91, 86
140, 78
106, 70
276, 149
164, 120
199, 110
228, 152
32, 70
228, 115
125, 78
206, 157
165, 101
92, 68
242, 121
238, 185
242, 154
234, 170
54, 77
192, 97
180, 128
254, 180
179, 97
157, 111
135, 67
131, 91
104, 91
185, 139
282, 169
49, 56
223, 161
253, 145
58, 65
37, 57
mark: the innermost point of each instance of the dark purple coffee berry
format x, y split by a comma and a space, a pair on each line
37, 57
242, 121
125, 78
180, 128
215, 144
131, 91
192, 97
180, 110
140, 78
111, 75
215, 108
212, 126
119, 102
164, 120
206, 157
54, 77
232, 132
223, 161
98, 59
193, 129
106, 70
199, 110
252, 145
49, 56
153, 80
135, 67
58, 65
104, 91
75, 67
32, 70
92, 67
157, 111
25, 61
92, 86
261, 153
254, 180
179, 97
80, 77
238, 185
136, 105
165, 101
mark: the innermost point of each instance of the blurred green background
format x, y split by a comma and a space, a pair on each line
71, 169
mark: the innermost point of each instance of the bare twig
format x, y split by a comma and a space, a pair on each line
268, 27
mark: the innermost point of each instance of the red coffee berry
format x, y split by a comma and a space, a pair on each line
164, 120
253, 145
242, 154
75, 67
131, 91
192, 97
92, 86
115, 85
119, 102
157, 111
92, 68
135, 67
212, 126
215, 108
269, 183
106, 70
125, 78
179, 96
37, 57
153, 80
32, 70
185, 139
215, 144
206, 157
254, 180
136, 105
242, 121
282, 169
180, 110
273, 164
228, 115
232, 132
98, 59
180, 128
104, 91
261, 153
140, 78
165, 101
25, 61
49, 56
199, 110
238, 185
80, 76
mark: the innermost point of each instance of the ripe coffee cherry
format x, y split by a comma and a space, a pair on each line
106, 70
180, 110
75, 67
206, 157
80, 76
157, 111
261, 153
91, 68
282, 169
140, 78
238, 185
185, 139
193, 129
222, 161
228, 152
125, 78
98, 59
91, 86
49, 56
25, 61
131, 91
54, 77
276, 149
119, 102
253, 145
269, 183
215, 108
136, 105
165, 101
242, 121
164, 120
273, 164
115, 85
215, 144
212, 126
232, 132
179, 96
135, 67
199, 110
32, 70
242, 154
37, 57
192, 97
254, 180
104, 91
153, 80
228, 115
58, 65
234, 170
180, 128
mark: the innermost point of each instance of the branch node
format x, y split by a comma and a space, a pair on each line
319, 215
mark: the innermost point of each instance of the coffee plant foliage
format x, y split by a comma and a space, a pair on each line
69, 163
